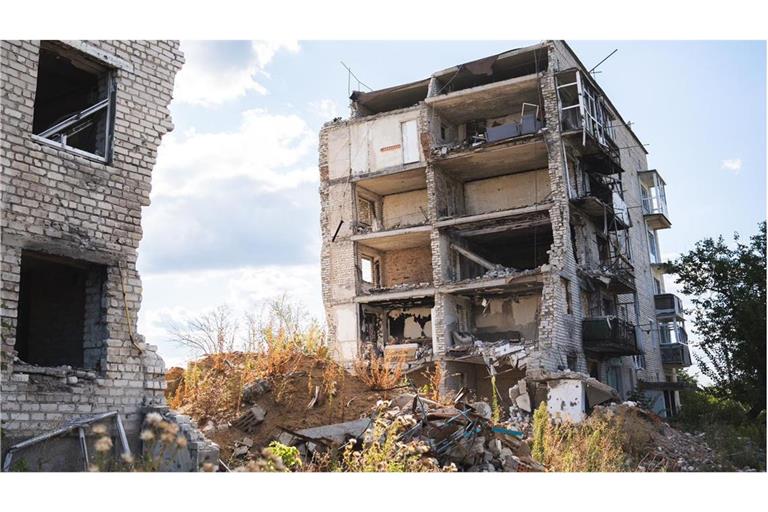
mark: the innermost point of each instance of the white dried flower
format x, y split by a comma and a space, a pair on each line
99, 429
154, 418
103, 444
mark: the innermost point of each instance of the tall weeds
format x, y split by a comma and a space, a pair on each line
592, 446
381, 373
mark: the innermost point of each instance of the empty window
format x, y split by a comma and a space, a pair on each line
60, 315
366, 269
74, 102
653, 247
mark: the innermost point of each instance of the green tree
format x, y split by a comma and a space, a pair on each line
728, 289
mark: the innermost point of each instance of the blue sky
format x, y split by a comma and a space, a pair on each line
235, 210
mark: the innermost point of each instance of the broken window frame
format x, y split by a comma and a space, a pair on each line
56, 135
595, 118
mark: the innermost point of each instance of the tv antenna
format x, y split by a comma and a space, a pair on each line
592, 71
351, 75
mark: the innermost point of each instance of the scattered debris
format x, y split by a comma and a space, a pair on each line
255, 390
403, 287
460, 434
250, 419
652, 445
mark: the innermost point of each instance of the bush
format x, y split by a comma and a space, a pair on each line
727, 427
381, 373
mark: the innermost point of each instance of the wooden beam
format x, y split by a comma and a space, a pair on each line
474, 257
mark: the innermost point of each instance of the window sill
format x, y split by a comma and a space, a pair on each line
54, 371
69, 149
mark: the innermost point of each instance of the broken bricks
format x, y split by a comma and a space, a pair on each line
250, 419
256, 389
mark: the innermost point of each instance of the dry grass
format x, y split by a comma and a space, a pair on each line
592, 446
381, 373
211, 388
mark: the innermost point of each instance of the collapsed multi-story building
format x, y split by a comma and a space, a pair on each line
498, 219
80, 124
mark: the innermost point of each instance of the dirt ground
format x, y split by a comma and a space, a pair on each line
286, 405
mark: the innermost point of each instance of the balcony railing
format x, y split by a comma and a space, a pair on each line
676, 354
609, 336
654, 200
654, 205
583, 109
668, 305
672, 332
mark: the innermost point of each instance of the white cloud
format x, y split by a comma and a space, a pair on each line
733, 165
266, 148
215, 72
325, 108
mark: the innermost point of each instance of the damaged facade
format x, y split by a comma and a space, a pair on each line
498, 219
80, 126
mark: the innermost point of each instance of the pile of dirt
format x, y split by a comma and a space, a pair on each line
651, 444
283, 401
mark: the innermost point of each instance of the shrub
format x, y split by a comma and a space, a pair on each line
727, 427
381, 373
288, 454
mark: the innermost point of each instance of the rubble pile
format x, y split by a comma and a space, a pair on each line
403, 287
460, 434
652, 445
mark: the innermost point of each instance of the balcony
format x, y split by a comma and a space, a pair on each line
654, 200
617, 274
598, 196
609, 336
668, 306
584, 115
676, 355
672, 331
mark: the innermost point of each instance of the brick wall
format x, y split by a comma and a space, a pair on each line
57, 202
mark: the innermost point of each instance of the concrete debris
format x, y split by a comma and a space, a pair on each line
250, 419
242, 447
310, 440
658, 446
255, 389
399, 287
461, 434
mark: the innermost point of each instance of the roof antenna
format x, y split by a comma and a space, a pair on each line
351, 75
592, 71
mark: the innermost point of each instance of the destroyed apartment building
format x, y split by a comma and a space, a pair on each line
498, 219
80, 124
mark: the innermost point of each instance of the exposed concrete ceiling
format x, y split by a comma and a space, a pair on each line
392, 98
394, 182
486, 101
396, 239
498, 159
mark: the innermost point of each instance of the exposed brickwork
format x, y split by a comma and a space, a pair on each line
60, 203
558, 344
